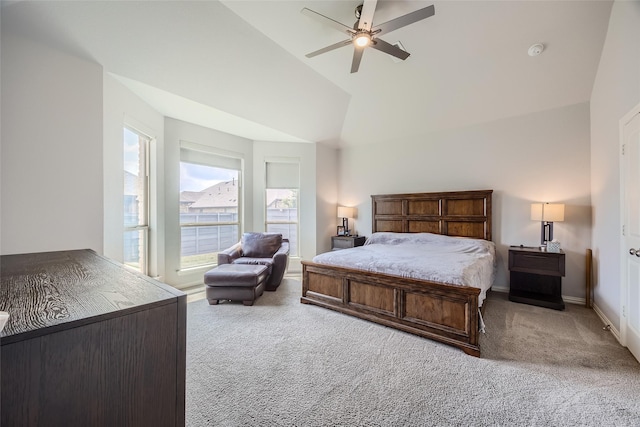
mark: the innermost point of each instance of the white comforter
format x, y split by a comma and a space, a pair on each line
452, 260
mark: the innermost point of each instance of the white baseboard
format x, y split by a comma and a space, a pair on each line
185, 287
606, 321
294, 265
574, 300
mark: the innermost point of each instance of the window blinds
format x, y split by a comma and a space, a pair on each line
208, 156
283, 175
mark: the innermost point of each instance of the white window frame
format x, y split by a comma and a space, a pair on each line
142, 226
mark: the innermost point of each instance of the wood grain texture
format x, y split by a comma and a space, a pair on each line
445, 313
325, 285
372, 297
424, 207
438, 311
456, 213
54, 289
121, 363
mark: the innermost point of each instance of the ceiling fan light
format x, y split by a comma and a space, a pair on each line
362, 40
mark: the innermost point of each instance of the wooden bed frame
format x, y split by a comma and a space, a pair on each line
438, 311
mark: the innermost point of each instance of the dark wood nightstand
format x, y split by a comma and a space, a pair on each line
346, 242
536, 277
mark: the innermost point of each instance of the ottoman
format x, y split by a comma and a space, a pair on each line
236, 282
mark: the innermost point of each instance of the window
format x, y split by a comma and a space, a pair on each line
282, 216
209, 206
136, 199
282, 195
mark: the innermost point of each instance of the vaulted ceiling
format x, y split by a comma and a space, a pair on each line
240, 66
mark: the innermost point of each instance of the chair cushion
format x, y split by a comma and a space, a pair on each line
236, 275
260, 245
267, 262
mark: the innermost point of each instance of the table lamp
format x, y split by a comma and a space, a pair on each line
547, 214
345, 213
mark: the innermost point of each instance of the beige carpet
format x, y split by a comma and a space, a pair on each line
282, 363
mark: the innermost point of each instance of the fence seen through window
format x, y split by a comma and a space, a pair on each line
209, 212
282, 215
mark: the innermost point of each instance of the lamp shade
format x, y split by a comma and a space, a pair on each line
345, 212
553, 212
536, 211
549, 212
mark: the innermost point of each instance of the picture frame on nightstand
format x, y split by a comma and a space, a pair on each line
340, 231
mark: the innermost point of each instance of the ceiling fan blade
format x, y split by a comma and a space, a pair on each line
357, 57
328, 48
405, 20
366, 16
328, 21
385, 47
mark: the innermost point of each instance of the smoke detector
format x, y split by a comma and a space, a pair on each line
536, 49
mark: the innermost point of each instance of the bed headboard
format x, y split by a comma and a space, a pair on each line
452, 213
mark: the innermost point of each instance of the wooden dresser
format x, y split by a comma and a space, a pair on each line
89, 343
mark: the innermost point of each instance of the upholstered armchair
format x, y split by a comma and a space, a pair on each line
268, 249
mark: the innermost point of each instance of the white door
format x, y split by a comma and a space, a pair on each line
630, 296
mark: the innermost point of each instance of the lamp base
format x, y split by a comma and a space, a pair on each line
345, 224
546, 233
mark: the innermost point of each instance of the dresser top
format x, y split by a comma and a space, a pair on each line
52, 291
534, 249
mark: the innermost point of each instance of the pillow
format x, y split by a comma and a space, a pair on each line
260, 245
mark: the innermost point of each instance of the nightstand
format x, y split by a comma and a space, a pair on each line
346, 242
536, 277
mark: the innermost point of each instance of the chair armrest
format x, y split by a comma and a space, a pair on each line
280, 264
284, 248
230, 254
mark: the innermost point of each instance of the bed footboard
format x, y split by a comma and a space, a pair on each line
444, 313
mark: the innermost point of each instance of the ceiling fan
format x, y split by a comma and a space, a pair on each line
364, 34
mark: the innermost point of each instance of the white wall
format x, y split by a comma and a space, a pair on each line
615, 92
52, 195
327, 196
306, 154
174, 132
122, 107
541, 157
68, 184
